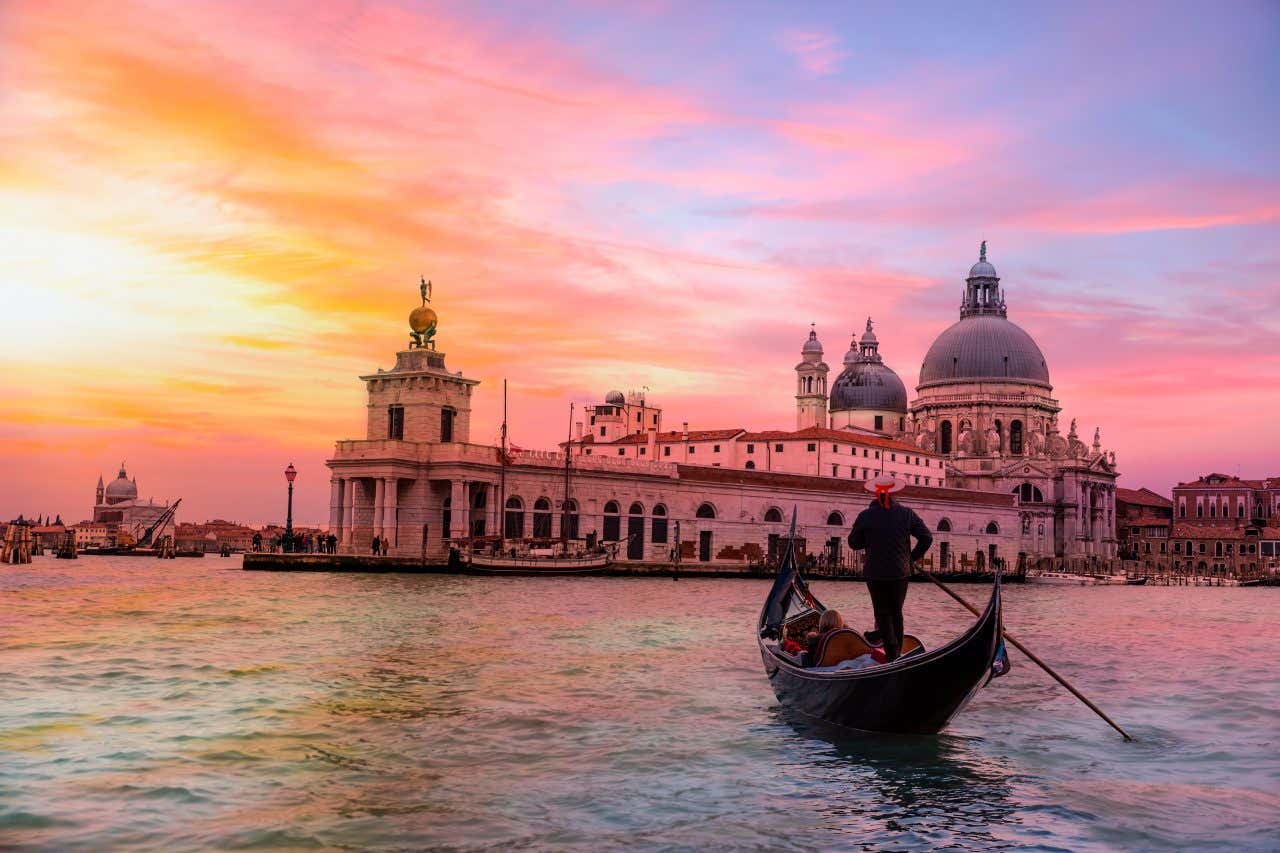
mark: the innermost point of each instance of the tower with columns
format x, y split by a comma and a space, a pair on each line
811, 384
415, 410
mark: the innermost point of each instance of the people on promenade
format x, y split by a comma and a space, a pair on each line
885, 530
386, 546
332, 542
377, 543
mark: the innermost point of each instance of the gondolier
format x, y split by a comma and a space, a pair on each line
885, 530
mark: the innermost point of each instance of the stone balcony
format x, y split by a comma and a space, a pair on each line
387, 449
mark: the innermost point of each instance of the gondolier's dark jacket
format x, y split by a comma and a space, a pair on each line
885, 533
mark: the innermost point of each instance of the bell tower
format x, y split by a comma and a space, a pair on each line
811, 384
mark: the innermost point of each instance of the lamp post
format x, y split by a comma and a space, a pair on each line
289, 474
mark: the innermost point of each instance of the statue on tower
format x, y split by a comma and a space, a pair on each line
982, 251
422, 320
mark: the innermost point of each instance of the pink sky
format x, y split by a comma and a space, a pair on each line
214, 216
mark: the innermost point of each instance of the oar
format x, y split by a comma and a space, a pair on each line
1035, 659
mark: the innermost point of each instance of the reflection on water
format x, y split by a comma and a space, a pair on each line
196, 705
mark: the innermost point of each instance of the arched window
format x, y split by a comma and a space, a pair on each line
1027, 493
636, 509
513, 527
993, 528
542, 519
659, 524
612, 522
944, 526
706, 511
773, 514
1015, 438
750, 465
946, 436
835, 518
569, 519
1217, 549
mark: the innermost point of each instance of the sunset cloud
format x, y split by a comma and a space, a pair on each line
818, 53
210, 228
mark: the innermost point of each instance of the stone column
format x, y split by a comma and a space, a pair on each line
348, 510
390, 523
459, 510
379, 500
492, 510
335, 504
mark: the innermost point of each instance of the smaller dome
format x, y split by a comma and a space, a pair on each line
812, 344
982, 269
868, 385
615, 398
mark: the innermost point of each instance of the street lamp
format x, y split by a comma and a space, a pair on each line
290, 474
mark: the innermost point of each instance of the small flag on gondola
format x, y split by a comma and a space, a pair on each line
1001, 664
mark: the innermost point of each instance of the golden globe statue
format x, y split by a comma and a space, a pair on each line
422, 320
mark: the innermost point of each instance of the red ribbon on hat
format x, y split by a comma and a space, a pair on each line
882, 494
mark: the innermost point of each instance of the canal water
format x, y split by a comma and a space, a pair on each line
186, 704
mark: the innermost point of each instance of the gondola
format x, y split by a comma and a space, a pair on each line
919, 693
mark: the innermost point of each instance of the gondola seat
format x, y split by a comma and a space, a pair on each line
840, 645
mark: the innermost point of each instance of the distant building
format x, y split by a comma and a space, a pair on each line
1144, 521
1225, 523
117, 504
94, 534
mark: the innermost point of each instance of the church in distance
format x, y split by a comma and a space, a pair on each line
981, 448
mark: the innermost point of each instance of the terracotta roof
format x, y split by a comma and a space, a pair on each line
1142, 497
1230, 482
826, 434
809, 482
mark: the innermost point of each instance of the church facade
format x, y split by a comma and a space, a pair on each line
984, 401
117, 505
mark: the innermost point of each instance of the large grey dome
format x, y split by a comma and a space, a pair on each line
615, 398
984, 346
868, 385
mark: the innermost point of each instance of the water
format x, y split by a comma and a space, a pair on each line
187, 704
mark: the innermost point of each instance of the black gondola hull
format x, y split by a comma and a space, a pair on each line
914, 695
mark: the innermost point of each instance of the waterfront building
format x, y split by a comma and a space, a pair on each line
212, 536
117, 503
1144, 521
418, 479
1227, 524
94, 534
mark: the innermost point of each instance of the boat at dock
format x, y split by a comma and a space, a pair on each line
1061, 579
536, 565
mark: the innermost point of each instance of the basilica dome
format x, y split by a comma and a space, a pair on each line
984, 345
868, 385
121, 489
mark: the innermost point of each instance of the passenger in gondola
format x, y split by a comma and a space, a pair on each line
831, 620
885, 529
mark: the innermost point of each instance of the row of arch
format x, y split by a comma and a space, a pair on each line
513, 521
